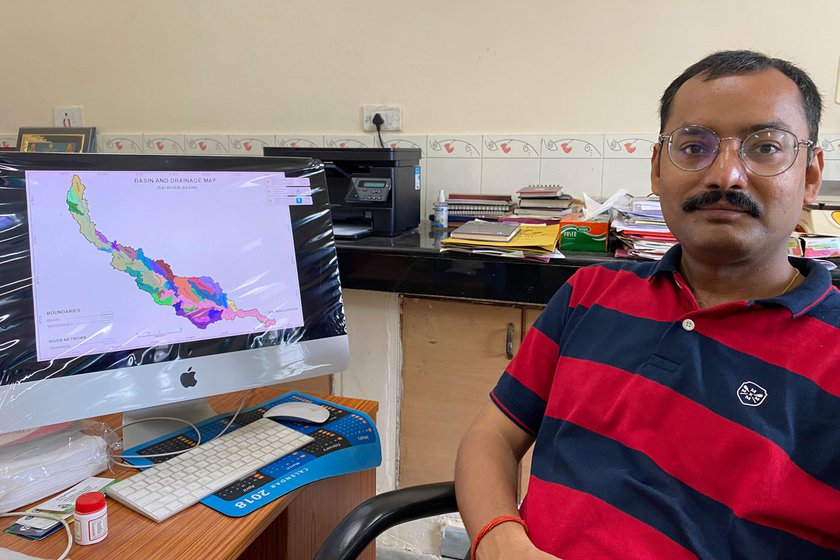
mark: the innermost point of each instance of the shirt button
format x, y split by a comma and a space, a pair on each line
688, 325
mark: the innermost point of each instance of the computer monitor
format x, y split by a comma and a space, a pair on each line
134, 281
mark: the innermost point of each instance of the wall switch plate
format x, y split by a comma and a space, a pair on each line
68, 117
390, 114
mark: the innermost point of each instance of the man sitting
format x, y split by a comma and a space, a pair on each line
688, 408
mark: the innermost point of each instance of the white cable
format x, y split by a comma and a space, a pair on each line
171, 453
46, 516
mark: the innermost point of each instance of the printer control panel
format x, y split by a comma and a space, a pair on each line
366, 189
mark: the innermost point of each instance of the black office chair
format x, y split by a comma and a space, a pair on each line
372, 517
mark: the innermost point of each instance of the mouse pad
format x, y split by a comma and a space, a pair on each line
347, 442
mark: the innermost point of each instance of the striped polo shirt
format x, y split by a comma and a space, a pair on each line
665, 431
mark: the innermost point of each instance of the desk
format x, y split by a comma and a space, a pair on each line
292, 527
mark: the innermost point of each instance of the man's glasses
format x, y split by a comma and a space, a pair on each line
768, 152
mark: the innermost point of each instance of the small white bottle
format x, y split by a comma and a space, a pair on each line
90, 518
441, 210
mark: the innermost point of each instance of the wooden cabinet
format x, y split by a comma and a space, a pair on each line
453, 354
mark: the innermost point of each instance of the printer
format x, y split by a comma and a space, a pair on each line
371, 190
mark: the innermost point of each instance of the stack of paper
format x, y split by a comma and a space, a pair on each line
641, 228
465, 207
533, 242
543, 202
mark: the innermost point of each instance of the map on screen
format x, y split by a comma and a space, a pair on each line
124, 260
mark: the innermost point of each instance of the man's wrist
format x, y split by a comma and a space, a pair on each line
501, 541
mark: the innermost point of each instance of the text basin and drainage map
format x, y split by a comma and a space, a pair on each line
124, 260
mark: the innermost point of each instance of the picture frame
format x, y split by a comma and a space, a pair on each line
63, 140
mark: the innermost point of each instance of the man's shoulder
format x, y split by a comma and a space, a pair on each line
617, 270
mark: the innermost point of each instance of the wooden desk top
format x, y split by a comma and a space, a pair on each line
197, 532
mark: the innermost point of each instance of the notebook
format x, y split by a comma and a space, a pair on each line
486, 231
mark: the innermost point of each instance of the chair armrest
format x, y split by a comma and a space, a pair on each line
373, 516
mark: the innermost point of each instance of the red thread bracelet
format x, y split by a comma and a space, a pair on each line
490, 525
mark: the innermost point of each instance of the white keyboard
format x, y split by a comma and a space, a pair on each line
174, 485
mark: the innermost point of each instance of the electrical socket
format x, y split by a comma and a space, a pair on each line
390, 114
68, 117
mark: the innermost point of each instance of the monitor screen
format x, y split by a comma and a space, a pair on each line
131, 281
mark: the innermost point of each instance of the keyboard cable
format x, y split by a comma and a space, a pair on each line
112, 456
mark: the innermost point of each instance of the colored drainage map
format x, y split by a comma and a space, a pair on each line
125, 260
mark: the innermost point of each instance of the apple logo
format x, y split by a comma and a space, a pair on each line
188, 378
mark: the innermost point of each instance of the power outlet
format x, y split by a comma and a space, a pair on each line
68, 117
390, 114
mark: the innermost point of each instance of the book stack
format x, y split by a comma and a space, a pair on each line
465, 207
641, 228
547, 202
504, 239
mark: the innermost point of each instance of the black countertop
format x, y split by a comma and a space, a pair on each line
412, 263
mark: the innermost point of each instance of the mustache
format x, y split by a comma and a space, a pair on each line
734, 197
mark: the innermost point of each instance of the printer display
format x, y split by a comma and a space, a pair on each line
371, 190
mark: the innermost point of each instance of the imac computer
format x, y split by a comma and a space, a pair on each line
136, 281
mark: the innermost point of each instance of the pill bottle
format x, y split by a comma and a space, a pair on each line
441, 217
90, 518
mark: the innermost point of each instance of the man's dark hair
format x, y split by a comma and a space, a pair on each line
729, 63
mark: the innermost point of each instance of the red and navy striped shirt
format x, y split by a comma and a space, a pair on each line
668, 431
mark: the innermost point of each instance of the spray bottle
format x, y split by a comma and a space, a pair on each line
441, 219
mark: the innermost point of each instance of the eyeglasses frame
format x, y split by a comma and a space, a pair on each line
669, 137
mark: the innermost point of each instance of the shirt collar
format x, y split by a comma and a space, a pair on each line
814, 288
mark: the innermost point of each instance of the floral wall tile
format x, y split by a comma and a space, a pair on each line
406, 142
831, 171
454, 146
299, 141
249, 144
8, 139
506, 176
631, 174
576, 176
572, 146
830, 143
164, 143
119, 143
453, 175
349, 141
511, 146
204, 144
629, 146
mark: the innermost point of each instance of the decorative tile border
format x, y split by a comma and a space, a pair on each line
511, 146
454, 146
629, 146
8, 140
572, 146
119, 143
349, 141
164, 143
249, 144
406, 142
200, 144
830, 143
299, 141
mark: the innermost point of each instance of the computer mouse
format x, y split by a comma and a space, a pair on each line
297, 411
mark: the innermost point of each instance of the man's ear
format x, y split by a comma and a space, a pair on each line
813, 176
655, 161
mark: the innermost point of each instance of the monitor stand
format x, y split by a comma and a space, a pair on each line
192, 411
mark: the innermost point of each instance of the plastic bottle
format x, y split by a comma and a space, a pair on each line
90, 518
441, 210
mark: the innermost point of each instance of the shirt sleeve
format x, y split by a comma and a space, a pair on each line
523, 389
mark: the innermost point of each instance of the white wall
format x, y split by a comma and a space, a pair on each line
467, 66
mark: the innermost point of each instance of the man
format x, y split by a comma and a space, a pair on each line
688, 408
